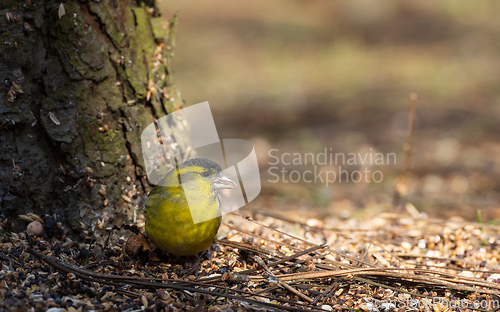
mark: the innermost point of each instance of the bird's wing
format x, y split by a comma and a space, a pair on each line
160, 194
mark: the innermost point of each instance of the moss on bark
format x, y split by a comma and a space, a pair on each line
89, 83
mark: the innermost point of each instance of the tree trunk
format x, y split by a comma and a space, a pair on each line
80, 80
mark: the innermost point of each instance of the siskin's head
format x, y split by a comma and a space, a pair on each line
206, 171
200, 178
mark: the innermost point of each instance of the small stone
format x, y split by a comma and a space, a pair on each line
493, 278
98, 252
35, 228
50, 223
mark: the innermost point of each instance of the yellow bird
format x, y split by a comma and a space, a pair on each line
190, 189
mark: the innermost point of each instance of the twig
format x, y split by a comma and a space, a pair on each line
276, 280
273, 229
138, 283
365, 252
411, 131
407, 292
332, 288
97, 264
352, 258
3, 256
451, 282
277, 243
278, 216
408, 148
447, 259
272, 264
90, 246
450, 268
308, 242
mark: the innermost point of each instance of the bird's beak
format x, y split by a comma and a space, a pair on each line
222, 182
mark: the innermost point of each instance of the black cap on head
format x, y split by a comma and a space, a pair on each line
201, 162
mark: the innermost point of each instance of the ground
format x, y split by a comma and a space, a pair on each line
402, 262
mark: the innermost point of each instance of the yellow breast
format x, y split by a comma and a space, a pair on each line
170, 226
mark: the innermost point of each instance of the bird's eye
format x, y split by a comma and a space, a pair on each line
205, 174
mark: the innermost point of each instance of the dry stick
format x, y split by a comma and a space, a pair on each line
292, 257
277, 281
453, 278
365, 252
128, 293
68, 268
400, 258
273, 229
247, 247
256, 294
272, 264
393, 254
332, 288
406, 292
355, 259
431, 280
297, 249
448, 259
101, 264
392, 272
318, 256
308, 242
408, 147
319, 265
320, 274
3, 256
181, 282
352, 258
313, 228
389, 272
476, 224
411, 131
450, 268
261, 237
298, 254
472, 282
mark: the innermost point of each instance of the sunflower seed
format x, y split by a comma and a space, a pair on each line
54, 118
26, 218
61, 11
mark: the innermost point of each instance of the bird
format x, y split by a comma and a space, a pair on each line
190, 191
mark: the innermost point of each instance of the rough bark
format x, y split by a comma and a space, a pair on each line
81, 80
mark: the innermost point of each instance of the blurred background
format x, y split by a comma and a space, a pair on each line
299, 76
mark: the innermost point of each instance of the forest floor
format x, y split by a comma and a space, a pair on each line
379, 262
